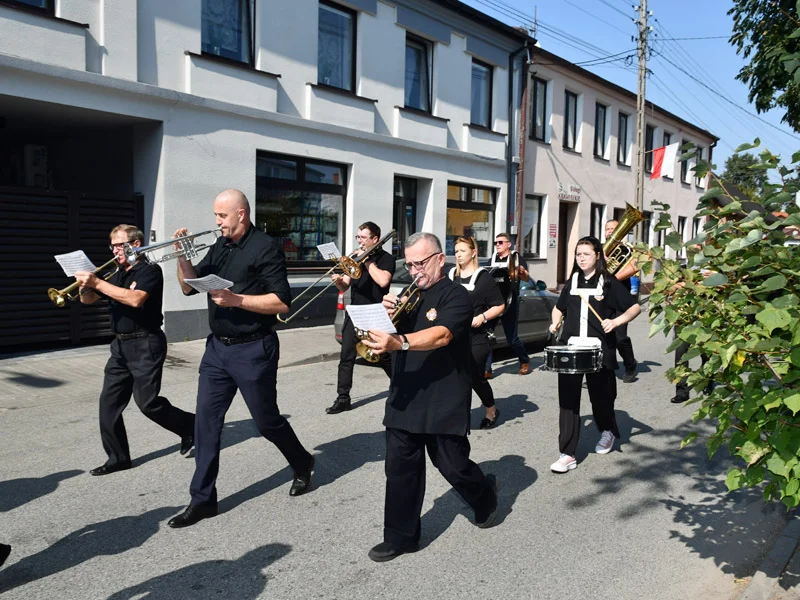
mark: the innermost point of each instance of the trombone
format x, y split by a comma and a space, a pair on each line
187, 248
71, 293
350, 266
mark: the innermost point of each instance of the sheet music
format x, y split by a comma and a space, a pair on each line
209, 283
329, 251
72, 262
370, 317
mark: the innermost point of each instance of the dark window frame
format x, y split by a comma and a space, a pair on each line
354, 45
537, 226
666, 138
684, 167
50, 9
490, 68
251, 6
602, 138
645, 225
596, 222
623, 148
573, 119
537, 81
304, 266
428, 47
649, 140
698, 157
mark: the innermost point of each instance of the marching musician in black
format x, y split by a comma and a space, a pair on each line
624, 343
429, 401
590, 285
242, 351
134, 295
487, 304
370, 288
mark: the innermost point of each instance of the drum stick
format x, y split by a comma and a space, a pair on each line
591, 308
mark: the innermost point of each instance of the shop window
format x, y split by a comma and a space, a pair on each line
470, 212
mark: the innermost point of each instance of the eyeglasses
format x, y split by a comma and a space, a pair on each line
419, 264
501, 242
113, 247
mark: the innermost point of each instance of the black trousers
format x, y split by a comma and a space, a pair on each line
134, 367
480, 353
602, 394
625, 347
347, 360
510, 321
252, 369
405, 481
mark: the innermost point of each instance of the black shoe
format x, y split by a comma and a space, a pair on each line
386, 551
302, 481
679, 399
338, 407
107, 469
5, 550
489, 521
187, 443
487, 423
630, 375
193, 514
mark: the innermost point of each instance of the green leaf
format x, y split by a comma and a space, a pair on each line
750, 262
715, 280
777, 465
774, 318
673, 240
794, 357
792, 402
776, 282
688, 439
734, 480
752, 452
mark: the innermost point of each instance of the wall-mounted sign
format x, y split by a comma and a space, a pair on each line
569, 192
552, 236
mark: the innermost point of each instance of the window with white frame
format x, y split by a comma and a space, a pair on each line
697, 226
533, 208
226, 29
645, 225
570, 120
682, 234
481, 113
700, 156
418, 80
336, 48
596, 220
623, 147
684, 167
600, 132
649, 135
539, 117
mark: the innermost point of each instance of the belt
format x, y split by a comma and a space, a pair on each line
243, 339
132, 336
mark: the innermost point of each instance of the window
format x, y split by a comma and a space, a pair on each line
570, 120
684, 167
645, 225
539, 112
226, 29
336, 53
404, 220
300, 202
600, 111
622, 139
682, 234
697, 226
649, 134
470, 212
48, 5
418, 88
481, 94
596, 221
698, 181
532, 209
667, 138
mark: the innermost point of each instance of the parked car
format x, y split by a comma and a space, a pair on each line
535, 306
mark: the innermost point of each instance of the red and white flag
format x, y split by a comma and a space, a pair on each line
664, 161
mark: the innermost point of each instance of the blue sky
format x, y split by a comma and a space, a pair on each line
584, 30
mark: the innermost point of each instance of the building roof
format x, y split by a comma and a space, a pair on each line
484, 19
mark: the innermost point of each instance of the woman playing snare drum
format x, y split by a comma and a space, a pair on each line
590, 285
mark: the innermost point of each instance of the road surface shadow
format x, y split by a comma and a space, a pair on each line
16, 492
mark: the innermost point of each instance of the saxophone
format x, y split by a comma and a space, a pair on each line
618, 253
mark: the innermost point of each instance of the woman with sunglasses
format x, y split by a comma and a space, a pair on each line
590, 289
487, 304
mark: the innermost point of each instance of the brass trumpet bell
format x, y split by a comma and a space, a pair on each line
72, 293
617, 252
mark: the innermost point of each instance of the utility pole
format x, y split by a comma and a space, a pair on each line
640, 111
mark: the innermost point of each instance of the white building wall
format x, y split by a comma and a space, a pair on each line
41, 39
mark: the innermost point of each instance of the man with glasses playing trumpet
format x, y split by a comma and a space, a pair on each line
429, 400
370, 288
134, 295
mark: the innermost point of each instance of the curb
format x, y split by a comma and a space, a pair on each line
766, 578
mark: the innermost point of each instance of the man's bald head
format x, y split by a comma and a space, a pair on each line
232, 211
234, 199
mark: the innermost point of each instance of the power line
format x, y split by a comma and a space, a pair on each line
614, 8
596, 17
707, 37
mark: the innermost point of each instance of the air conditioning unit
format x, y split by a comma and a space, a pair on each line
35, 166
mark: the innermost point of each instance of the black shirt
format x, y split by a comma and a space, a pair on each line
364, 289
144, 277
503, 262
431, 390
485, 295
614, 301
256, 265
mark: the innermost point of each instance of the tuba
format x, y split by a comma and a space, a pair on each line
618, 253
412, 296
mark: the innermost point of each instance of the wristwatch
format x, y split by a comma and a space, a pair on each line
405, 345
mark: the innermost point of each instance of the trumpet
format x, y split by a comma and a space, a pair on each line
71, 293
187, 248
412, 297
350, 265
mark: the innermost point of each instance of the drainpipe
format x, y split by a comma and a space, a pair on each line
515, 191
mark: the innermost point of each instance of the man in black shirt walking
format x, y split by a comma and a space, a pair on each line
370, 288
242, 351
429, 401
134, 296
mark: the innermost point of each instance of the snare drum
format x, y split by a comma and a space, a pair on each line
573, 359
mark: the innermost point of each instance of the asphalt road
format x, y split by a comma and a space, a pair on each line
645, 521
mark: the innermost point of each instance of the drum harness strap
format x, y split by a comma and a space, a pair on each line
574, 290
471, 285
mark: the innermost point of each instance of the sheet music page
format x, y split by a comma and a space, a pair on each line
72, 262
209, 283
329, 251
370, 317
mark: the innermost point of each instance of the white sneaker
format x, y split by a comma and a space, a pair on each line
564, 464
606, 443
